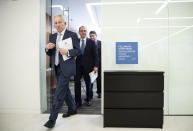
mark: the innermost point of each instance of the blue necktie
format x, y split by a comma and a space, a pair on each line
82, 47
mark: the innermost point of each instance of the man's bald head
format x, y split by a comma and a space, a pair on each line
59, 23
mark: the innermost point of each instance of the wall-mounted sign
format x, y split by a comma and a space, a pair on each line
126, 52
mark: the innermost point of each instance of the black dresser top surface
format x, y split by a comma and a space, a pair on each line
133, 72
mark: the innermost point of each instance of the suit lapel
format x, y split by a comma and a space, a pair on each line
54, 38
87, 44
79, 43
65, 36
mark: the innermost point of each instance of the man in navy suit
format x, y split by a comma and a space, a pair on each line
93, 36
63, 69
85, 63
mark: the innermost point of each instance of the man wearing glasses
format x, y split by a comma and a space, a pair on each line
85, 63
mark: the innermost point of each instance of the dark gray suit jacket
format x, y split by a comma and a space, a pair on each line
89, 59
68, 67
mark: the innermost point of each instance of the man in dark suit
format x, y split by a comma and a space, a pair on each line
63, 69
85, 63
93, 36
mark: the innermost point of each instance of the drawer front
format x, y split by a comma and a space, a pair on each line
133, 118
133, 82
133, 99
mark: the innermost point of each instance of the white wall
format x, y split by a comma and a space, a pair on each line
19, 68
158, 47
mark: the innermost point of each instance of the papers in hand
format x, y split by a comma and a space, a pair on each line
93, 76
66, 44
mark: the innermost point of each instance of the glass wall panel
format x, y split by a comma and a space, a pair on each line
181, 58
136, 21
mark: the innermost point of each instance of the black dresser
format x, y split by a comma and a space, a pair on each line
133, 99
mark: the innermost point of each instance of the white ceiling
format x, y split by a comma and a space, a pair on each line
79, 14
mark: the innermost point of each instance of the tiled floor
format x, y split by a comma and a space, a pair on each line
34, 122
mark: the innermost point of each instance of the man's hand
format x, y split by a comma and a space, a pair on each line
95, 69
50, 46
63, 51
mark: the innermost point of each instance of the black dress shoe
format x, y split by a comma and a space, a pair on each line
50, 124
86, 99
88, 103
69, 114
99, 95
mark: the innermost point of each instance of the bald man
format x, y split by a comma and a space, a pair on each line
63, 69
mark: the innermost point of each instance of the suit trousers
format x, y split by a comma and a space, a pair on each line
81, 71
62, 94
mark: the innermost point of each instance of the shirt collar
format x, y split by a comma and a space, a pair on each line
83, 39
62, 33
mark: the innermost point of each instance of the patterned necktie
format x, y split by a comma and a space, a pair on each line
59, 39
82, 47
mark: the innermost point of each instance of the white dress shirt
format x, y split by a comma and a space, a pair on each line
81, 42
58, 40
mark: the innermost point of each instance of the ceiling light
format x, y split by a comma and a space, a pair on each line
162, 7
91, 14
58, 6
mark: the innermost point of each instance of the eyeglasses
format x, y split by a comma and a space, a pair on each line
82, 30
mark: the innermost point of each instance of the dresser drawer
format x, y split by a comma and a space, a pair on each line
133, 82
133, 118
133, 100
